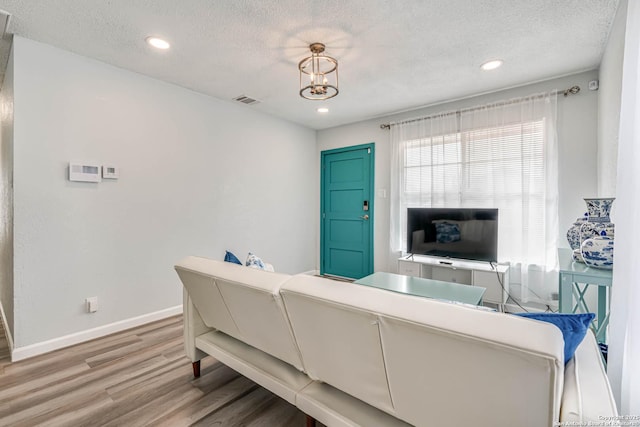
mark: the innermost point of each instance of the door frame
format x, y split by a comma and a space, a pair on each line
372, 164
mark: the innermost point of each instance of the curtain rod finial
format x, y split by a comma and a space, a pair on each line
572, 90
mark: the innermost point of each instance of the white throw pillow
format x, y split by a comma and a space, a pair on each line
254, 262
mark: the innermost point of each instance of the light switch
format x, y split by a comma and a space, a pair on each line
110, 172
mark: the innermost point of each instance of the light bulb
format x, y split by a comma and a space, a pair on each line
491, 65
158, 43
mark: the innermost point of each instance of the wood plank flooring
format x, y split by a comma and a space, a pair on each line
139, 377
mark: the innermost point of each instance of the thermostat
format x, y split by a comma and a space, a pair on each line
84, 172
110, 172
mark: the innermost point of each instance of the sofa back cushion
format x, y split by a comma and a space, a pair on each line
431, 355
340, 343
431, 370
242, 302
206, 296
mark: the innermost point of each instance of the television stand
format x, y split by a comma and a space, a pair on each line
494, 278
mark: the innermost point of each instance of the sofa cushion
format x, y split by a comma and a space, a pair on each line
254, 261
242, 302
586, 395
435, 354
335, 408
573, 327
206, 296
340, 344
266, 370
230, 257
261, 319
432, 368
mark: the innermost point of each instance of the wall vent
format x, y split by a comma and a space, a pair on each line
246, 100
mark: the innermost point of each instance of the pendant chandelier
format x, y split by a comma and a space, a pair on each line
318, 74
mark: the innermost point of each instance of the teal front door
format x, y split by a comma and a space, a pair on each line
346, 242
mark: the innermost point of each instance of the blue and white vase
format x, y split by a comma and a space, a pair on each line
573, 234
577, 255
597, 252
596, 235
599, 208
598, 220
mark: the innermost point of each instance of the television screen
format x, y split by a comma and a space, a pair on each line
453, 233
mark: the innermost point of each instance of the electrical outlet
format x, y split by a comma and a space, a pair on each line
91, 304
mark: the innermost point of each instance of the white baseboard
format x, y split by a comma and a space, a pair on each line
311, 272
7, 331
36, 349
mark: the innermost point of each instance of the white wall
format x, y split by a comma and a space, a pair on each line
6, 198
577, 137
624, 351
609, 104
198, 176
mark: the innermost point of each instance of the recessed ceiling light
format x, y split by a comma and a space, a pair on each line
322, 110
491, 65
158, 42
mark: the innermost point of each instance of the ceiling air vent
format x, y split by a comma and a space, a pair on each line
246, 100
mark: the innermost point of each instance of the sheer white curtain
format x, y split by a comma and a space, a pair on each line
412, 144
624, 339
502, 155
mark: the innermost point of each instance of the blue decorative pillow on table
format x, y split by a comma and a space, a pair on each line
229, 257
573, 326
447, 232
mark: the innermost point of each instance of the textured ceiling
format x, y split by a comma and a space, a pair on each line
393, 55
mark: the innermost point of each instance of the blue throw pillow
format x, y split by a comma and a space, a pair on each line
573, 326
229, 257
447, 232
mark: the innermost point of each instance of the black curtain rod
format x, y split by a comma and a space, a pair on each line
571, 91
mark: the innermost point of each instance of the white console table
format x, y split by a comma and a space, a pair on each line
495, 279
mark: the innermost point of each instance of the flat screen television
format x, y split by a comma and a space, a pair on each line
453, 233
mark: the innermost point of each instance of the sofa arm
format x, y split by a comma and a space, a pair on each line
587, 394
193, 327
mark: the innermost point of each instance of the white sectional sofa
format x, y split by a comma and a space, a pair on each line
351, 355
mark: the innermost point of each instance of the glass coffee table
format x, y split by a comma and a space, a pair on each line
427, 288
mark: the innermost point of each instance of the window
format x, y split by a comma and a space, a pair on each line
497, 156
499, 167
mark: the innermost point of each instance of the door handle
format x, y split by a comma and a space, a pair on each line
365, 217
